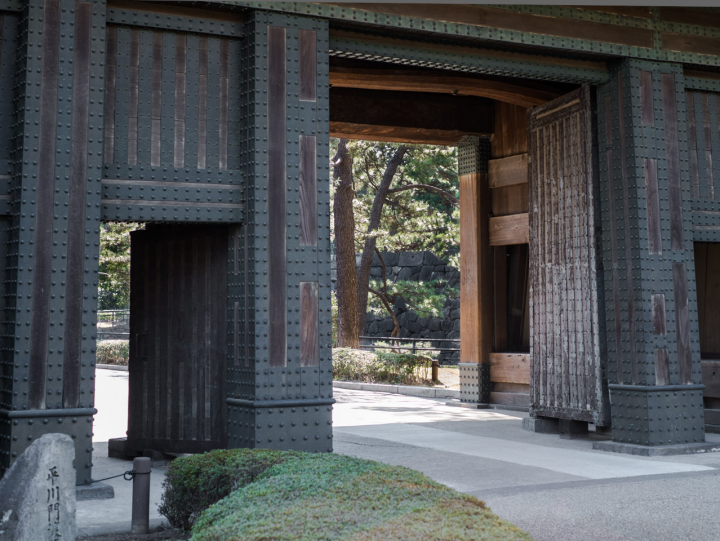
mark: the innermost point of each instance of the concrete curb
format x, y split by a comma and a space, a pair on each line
408, 390
112, 367
119, 527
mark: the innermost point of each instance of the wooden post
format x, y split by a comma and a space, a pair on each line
476, 271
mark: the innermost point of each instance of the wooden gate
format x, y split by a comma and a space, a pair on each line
565, 341
178, 338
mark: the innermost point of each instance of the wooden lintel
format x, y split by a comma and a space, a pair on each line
395, 134
411, 117
510, 368
508, 171
511, 229
438, 81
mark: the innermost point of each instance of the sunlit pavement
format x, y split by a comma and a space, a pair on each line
555, 489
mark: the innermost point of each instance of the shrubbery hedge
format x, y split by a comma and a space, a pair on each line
380, 366
112, 352
194, 483
330, 497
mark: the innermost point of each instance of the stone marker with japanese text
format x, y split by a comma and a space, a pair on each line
37, 493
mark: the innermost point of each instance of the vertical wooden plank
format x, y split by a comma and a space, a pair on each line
626, 221
145, 97
469, 273
701, 257
652, 199
175, 349
708, 146
165, 340
202, 103
533, 259
308, 65
662, 367
647, 107
45, 198
76, 206
156, 123
148, 312
308, 191
682, 323
208, 324
549, 269
309, 350
277, 197
137, 391
109, 105
197, 339
500, 298
223, 121
692, 144
133, 99
180, 83
711, 299
192, 85
157, 331
658, 313
672, 152
572, 254
565, 232
584, 358
236, 334
188, 373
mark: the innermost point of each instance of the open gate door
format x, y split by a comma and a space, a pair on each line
178, 338
566, 350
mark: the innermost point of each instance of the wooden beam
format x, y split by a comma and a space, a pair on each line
511, 229
473, 52
510, 399
438, 81
476, 270
508, 171
510, 368
686, 43
394, 134
424, 117
496, 18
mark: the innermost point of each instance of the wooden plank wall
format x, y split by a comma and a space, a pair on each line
178, 338
565, 340
508, 180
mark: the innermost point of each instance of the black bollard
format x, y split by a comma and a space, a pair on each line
141, 495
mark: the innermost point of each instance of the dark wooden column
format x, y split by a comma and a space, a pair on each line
280, 366
52, 290
476, 271
650, 304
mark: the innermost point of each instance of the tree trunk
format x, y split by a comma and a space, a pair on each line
348, 333
363, 280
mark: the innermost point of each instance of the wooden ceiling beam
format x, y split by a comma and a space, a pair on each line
437, 81
410, 117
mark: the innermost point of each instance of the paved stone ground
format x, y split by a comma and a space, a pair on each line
555, 489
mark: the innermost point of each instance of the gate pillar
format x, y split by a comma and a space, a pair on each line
650, 301
51, 267
475, 271
279, 380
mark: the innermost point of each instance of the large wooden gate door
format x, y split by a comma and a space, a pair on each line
566, 351
178, 328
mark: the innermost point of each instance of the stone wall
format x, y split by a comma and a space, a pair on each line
417, 266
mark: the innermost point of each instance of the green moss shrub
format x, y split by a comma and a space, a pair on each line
381, 367
112, 352
194, 483
332, 497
